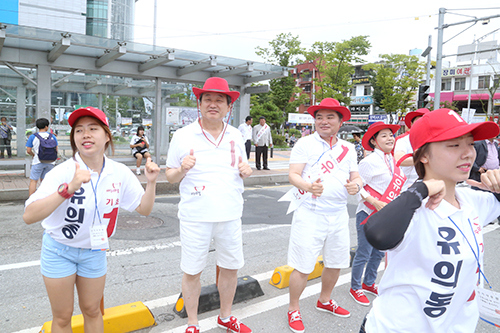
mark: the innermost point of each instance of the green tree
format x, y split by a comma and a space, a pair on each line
396, 80
274, 116
184, 100
334, 61
282, 51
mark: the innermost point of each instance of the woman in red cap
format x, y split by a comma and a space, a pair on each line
78, 202
382, 180
433, 232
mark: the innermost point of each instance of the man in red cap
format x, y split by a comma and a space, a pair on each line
323, 169
209, 160
403, 147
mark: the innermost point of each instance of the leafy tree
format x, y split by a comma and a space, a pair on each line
396, 80
274, 116
334, 61
282, 51
184, 100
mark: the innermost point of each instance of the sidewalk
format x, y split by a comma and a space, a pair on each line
14, 185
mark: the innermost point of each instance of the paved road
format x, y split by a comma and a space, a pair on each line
143, 265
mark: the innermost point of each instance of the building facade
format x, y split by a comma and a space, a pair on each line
113, 19
458, 82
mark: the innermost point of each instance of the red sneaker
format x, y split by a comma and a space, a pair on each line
233, 325
333, 308
373, 289
192, 329
359, 297
295, 321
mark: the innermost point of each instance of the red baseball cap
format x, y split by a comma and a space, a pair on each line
87, 111
417, 113
374, 129
216, 85
446, 124
331, 104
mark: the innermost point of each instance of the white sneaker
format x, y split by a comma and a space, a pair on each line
138, 172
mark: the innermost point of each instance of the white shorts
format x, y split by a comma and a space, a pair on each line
195, 242
312, 233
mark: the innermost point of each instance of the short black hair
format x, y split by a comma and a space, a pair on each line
139, 128
228, 98
41, 123
262, 117
3, 118
248, 118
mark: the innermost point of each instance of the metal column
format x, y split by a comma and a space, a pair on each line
43, 91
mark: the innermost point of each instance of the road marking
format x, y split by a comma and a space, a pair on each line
115, 253
254, 309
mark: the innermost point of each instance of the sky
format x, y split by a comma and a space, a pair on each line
234, 29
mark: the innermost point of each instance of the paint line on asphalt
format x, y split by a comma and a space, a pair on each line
267, 305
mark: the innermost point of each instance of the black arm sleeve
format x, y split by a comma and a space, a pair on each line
385, 229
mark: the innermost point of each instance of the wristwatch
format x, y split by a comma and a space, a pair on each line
63, 191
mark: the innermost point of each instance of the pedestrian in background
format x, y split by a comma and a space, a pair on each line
78, 205
262, 139
5, 137
487, 158
246, 133
140, 148
42, 146
360, 152
208, 158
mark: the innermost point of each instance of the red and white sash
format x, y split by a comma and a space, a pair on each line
324, 168
391, 192
262, 131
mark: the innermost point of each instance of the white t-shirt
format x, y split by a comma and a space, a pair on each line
404, 144
246, 131
375, 172
135, 139
211, 190
70, 223
308, 150
432, 273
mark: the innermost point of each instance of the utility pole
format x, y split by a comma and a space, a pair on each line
439, 60
439, 56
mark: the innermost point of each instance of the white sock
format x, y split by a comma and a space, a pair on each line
225, 320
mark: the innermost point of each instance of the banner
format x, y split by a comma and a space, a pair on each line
127, 121
300, 118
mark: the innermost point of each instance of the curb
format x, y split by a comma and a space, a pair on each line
162, 187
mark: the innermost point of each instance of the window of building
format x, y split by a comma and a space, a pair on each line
353, 91
307, 88
483, 82
459, 84
446, 85
367, 91
306, 76
307, 103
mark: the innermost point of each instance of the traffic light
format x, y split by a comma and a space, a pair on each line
423, 93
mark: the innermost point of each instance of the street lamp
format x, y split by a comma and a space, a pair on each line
439, 56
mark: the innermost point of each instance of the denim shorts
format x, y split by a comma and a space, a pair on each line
38, 171
59, 260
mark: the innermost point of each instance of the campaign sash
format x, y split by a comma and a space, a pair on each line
262, 131
391, 192
322, 169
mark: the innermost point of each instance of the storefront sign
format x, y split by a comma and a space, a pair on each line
300, 118
361, 100
458, 71
361, 80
